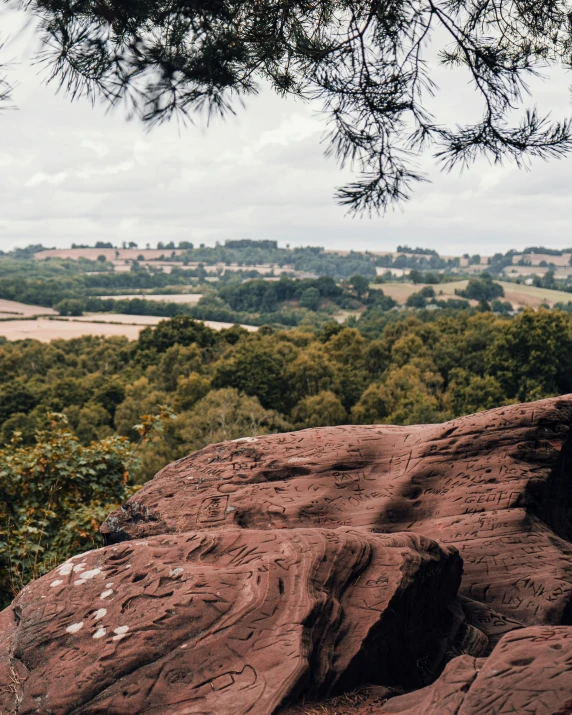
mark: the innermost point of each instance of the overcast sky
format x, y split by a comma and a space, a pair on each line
71, 172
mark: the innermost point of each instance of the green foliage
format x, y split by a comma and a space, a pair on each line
16, 397
319, 410
473, 393
427, 292
359, 284
452, 304
70, 306
54, 495
546, 281
531, 357
500, 306
227, 414
219, 415
416, 300
181, 330
433, 278
310, 299
256, 366
482, 289
409, 395
419, 299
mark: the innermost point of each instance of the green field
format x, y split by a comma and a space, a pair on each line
401, 291
518, 295
532, 296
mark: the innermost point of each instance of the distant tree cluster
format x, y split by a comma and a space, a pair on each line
417, 251
542, 250
482, 289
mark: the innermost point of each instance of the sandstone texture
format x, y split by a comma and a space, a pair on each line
529, 672
232, 621
416, 570
497, 485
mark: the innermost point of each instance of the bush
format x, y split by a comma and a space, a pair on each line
482, 289
70, 306
53, 497
416, 300
427, 292
499, 306
310, 299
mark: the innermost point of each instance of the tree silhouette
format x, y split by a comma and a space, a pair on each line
363, 61
5, 87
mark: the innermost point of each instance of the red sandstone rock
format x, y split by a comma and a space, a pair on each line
496, 485
231, 622
258, 575
529, 672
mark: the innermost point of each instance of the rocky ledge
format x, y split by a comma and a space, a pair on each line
420, 570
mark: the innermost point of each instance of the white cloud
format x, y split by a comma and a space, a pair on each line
100, 149
73, 172
41, 178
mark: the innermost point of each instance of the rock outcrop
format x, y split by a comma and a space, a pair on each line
258, 575
530, 671
493, 484
233, 621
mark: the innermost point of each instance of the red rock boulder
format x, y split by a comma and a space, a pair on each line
497, 485
530, 671
231, 621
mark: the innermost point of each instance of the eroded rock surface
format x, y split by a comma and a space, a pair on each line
529, 672
496, 485
263, 575
231, 622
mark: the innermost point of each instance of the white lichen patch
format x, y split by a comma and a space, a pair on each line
99, 633
175, 572
297, 459
107, 593
66, 569
79, 567
86, 575
98, 615
75, 627
81, 556
245, 439
120, 632
55, 583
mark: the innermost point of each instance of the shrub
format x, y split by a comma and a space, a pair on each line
53, 497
